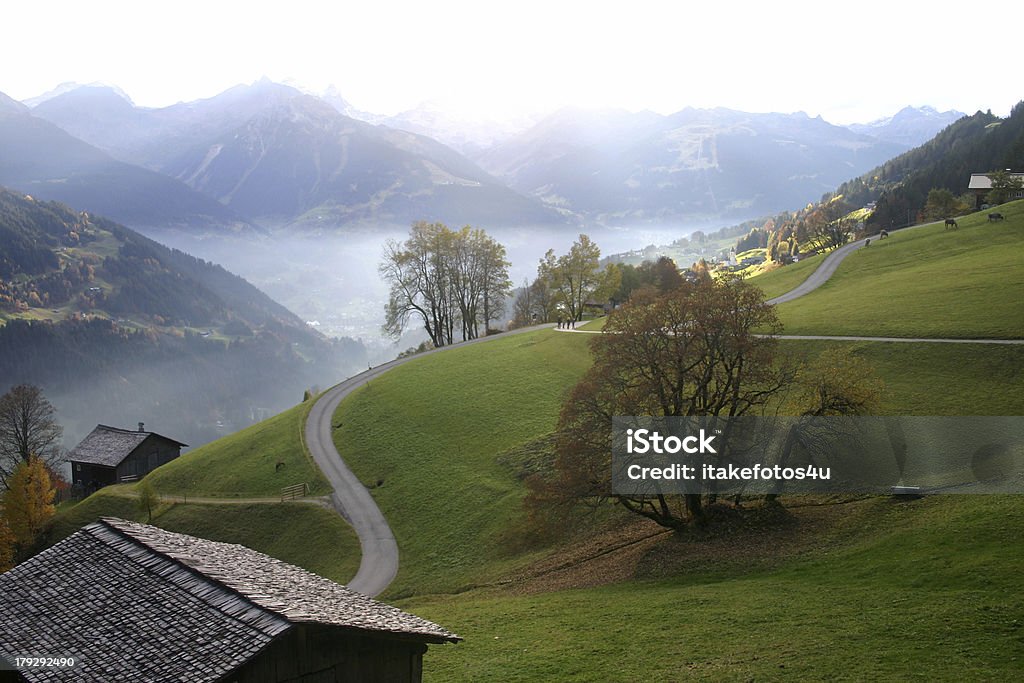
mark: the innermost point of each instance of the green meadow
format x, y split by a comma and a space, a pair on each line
924, 282
255, 462
431, 431
305, 534
925, 590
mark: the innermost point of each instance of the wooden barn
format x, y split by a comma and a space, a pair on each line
110, 455
131, 602
981, 184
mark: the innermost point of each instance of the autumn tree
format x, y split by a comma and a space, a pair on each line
941, 203
662, 275
577, 276
691, 351
828, 225
28, 503
27, 427
149, 499
6, 545
833, 384
535, 303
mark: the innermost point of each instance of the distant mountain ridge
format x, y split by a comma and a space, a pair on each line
41, 159
616, 166
274, 154
910, 126
280, 157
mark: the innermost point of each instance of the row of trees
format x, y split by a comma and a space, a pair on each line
818, 227
453, 282
564, 284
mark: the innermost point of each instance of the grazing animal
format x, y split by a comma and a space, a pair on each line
951, 223
995, 217
883, 234
278, 466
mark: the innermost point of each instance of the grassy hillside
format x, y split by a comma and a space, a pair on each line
938, 379
929, 590
434, 432
431, 431
864, 589
781, 280
927, 282
308, 535
245, 464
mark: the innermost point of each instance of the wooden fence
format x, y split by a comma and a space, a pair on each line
294, 491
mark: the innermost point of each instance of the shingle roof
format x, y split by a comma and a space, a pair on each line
982, 181
109, 445
134, 602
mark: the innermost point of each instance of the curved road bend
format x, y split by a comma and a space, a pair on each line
828, 267
379, 563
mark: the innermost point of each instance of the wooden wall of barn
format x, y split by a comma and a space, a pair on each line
150, 454
319, 654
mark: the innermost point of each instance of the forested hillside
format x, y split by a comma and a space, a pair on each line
975, 144
896, 193
92, 310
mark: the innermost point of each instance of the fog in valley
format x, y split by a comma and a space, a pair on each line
331, 280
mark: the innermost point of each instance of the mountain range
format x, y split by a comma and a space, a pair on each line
278, 156
910, 126
268, 154
39, 158
617, 166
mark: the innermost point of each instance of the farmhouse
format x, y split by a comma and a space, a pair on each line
981, 185
131, 602
110, 455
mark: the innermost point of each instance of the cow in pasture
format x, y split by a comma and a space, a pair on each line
995, 217
951, 223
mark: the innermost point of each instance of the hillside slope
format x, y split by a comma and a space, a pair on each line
974, 144
39, 158
92, 309
841, 589
924, 282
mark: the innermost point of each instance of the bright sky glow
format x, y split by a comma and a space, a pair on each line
846, 61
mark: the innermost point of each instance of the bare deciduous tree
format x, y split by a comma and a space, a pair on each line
27, 427
446, 280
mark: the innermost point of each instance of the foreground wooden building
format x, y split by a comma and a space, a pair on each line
109, 455
131, 602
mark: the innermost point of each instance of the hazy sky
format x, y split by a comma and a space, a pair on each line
849, 61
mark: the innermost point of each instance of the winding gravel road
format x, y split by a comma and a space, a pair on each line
379, 563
